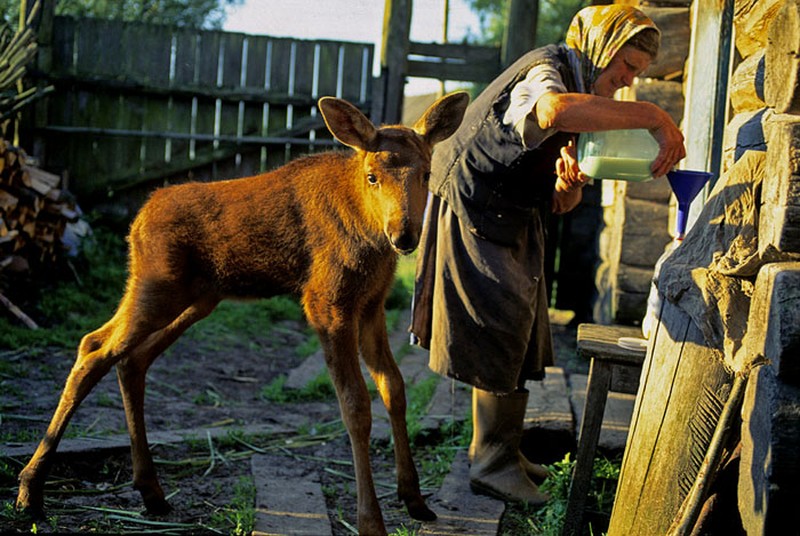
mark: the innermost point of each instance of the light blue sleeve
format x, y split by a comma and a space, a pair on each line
541, 79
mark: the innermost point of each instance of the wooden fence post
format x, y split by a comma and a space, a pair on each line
520, 33
394, 54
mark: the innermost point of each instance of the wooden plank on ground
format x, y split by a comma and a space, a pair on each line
289, 499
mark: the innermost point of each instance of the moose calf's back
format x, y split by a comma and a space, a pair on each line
257, 236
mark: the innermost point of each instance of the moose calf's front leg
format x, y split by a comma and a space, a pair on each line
378, 357
341, 356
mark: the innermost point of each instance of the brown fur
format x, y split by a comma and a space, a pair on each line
326, 228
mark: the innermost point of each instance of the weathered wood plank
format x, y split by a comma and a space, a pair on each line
230, 113
675, 36
751, 20
456, 52
634, 278
779, 223
684, 387
357, 69
180, 89
744, 132
774, 320
63, 45
467, 63
769, 475
328, 71
628, 307
782, 79
747, 84
657, 190
394, 55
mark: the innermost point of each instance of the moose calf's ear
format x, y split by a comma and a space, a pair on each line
443, 118
347, 123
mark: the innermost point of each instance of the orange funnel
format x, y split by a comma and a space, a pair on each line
686, 185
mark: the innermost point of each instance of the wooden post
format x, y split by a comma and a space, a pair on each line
44, 64
394, 55
520, 34
706, 89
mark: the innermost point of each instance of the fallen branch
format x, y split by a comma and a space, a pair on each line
16, 311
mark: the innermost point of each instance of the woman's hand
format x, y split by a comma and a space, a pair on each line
570, 177
566, 200
671, 147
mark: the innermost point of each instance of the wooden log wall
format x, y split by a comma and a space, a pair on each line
768, 83
637, 215
137, 105
760, 496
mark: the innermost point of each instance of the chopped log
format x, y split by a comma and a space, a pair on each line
7, 201
744, 132
33, 213
40, 180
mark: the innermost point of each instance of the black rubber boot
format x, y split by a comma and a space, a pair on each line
498, 469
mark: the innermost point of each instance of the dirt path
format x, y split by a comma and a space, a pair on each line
195, 388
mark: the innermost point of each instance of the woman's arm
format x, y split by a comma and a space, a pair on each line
578, 112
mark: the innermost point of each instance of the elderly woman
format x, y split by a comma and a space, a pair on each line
480, 300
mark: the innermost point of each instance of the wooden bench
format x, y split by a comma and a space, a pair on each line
612, 368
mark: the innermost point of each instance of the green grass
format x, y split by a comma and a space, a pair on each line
521, 520
238, 517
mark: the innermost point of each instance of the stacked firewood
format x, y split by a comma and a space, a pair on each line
34, 212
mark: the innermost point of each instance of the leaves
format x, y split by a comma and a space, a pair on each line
208, 14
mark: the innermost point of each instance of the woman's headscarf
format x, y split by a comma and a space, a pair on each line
596, 34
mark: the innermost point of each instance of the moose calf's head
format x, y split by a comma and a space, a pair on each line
394, 162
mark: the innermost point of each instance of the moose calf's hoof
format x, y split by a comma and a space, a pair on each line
157, 506
419, 510
30, 498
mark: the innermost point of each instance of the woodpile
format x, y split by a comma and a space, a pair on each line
34, 212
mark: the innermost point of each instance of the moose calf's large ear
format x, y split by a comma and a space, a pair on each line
443, 118
347, 123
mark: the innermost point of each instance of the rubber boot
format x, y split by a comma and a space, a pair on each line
535, 471
497, 468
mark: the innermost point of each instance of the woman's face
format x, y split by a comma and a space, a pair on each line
626, 64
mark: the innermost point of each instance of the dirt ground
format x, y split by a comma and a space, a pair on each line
194, 385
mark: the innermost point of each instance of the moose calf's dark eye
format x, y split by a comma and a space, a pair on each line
372, 178
427, 176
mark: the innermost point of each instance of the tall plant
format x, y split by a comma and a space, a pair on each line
17, 50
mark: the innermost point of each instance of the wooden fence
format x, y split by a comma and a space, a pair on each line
137, 105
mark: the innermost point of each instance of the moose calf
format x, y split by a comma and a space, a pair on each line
326, 228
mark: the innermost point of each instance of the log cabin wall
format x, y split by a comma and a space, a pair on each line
636, 215
765, 104
662, 488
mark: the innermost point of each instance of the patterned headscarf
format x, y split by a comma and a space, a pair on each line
596, 34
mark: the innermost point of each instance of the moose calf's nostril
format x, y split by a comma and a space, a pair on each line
404, 242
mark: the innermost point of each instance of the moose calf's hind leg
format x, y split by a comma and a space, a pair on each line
90, 366
131, 376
